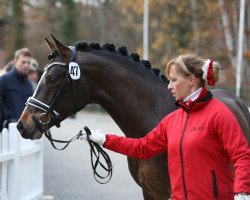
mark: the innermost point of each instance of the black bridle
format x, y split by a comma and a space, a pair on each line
49, 112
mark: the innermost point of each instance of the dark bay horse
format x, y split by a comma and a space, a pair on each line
133, 93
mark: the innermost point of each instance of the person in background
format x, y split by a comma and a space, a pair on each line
202, 138
33, 73
6, 68
15, 88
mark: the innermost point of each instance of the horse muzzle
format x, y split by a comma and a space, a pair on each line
28, 133
27, 127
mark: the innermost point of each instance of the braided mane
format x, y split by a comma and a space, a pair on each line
84, 46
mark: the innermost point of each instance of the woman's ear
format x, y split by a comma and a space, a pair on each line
192, 80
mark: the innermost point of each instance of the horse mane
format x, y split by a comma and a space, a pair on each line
84, 46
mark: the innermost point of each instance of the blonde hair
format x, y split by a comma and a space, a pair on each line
190, 64
23, 51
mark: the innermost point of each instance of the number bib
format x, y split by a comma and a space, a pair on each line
74, 70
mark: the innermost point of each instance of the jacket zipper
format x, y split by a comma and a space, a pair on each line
181, 155
214, 183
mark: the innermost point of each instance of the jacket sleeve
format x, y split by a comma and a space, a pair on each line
154, 143
236, 145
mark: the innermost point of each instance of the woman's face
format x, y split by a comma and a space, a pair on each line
180, 86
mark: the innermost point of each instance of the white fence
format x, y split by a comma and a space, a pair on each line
21, 166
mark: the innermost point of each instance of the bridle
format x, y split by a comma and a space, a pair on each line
48, 110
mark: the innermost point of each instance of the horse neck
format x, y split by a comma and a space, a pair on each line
133, 96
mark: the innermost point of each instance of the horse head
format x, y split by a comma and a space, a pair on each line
61, 76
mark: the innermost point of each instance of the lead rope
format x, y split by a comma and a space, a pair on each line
96, 154
49, 136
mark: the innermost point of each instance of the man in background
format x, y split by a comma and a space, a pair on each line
15, 88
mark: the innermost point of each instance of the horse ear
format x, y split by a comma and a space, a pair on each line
51, 45
64, 51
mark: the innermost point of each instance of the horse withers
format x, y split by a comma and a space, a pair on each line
134, 94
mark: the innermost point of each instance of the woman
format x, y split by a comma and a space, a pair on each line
201, 138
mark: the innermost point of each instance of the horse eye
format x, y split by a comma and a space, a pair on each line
49, 79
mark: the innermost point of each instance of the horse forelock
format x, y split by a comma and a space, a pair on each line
84, 46
53, 55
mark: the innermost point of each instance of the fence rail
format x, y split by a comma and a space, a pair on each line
21, 166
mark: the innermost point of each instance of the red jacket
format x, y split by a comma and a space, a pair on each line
201, 140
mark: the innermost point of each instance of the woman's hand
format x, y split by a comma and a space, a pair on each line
242, 197
95, 136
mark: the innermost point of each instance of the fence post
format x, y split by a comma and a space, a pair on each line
4, 177
14, 165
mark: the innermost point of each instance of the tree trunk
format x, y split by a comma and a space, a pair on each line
228, 33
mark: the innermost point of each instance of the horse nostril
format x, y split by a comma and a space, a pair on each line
20, 126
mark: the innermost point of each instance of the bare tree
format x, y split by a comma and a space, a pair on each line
229, 33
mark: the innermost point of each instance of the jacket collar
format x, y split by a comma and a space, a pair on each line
20, 76
202, 99
193, 96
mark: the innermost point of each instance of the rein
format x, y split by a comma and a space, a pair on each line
96, 152
51, 140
